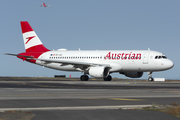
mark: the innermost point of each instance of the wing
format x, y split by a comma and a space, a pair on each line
72, 62
76, 64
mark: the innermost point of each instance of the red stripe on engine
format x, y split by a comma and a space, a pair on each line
25, 27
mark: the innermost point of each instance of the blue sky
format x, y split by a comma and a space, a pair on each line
90, 25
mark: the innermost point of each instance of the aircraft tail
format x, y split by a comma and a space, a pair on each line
32, 42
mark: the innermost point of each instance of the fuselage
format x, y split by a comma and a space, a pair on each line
118, 60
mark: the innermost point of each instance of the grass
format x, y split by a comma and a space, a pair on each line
173, 109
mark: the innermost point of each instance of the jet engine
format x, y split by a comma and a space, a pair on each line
100, 71
132, 74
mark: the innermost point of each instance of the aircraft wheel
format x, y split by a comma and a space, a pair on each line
84, 78
108, 78
150, 79
150, 76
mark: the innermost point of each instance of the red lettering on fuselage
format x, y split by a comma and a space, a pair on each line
123, 56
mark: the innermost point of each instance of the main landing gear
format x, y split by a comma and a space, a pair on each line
108, 78
150, 76
84, 78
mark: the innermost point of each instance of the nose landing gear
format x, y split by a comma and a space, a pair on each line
150, 76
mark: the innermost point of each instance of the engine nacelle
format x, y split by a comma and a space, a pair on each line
100, 71
132, 74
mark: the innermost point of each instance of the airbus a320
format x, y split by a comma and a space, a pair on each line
96, 63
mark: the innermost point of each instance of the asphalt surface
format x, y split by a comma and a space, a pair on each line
103, 115
50, 98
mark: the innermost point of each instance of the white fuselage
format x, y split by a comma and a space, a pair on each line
117, 60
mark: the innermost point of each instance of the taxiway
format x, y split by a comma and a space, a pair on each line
86, 99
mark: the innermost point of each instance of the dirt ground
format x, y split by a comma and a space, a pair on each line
16, 115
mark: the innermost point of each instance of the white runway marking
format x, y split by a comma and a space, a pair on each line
76, 108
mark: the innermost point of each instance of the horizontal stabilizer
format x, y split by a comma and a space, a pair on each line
27, 57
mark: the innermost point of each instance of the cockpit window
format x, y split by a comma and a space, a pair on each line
160, 57
164, 57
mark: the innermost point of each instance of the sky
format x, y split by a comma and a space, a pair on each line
90, 25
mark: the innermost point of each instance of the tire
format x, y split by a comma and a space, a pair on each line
84, 78
150, 79
108, 78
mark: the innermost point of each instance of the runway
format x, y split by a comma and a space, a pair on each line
55, 97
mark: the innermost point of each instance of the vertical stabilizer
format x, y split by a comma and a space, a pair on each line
32, 42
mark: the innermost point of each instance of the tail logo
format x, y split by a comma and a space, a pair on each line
29, 38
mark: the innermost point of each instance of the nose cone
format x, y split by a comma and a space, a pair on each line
169, 64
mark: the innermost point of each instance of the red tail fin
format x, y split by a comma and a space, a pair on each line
32, 42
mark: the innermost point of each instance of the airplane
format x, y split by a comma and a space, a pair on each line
44, 5
96, 63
